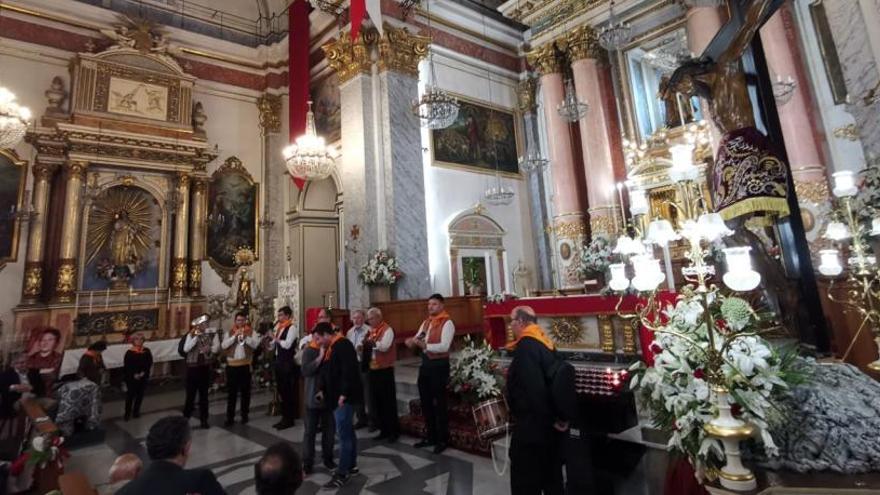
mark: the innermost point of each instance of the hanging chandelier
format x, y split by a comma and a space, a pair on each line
435, 109
13, 119
533, 161
498, 194
570, 108
615, 34
310, 158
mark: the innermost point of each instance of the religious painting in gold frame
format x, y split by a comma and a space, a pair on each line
13, 176
481, 132
233, 211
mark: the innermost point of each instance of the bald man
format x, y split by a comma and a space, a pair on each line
124, 469
535, 457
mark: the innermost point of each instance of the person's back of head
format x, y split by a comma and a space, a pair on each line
125, 467
169, 439
279, 471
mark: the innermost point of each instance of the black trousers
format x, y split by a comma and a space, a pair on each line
198, 380
287, 381
383, 394
314, 418
238, 381
536, 468
134, 395
433, 378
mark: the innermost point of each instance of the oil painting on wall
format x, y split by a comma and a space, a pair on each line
138, 99
481, 139
327, 107
123, 240
232, 215
13, 173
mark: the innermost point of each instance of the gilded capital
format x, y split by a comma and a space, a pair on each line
581, 43
401, 51
349, 58
183, 180
76, 169
544, 59
199, 185
270, 113
44, 171
525, 95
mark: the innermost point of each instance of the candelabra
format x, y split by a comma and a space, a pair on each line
616, 33
570, 108
863, 279
699, 228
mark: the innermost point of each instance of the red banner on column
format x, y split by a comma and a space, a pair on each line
358, 9
298, 71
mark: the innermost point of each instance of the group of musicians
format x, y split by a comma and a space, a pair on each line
296, 354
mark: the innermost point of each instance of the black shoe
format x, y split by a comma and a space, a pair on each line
229, 422
330, 464
372, 429
353, 470
136, 415
424, 443
337, 482
244, 420
278, 424
284, 425
440, 448
126, 417
308, 469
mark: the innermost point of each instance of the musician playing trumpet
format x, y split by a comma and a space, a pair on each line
239, 347
286, 370
198, 347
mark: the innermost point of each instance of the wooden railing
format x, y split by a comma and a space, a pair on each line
405, 317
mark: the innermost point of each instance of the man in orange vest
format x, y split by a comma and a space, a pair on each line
433, 339
380, 347
239, 347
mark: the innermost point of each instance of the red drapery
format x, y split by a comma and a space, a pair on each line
298, 71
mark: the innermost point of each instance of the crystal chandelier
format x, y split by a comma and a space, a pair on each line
435, 109
13, 119
532, 161
309, 158
498, 194
570, 108
616, 33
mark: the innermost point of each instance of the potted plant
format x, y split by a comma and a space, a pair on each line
379, 273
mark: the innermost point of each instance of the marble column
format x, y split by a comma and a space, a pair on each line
33, 266
197, 225
540, 213
66, 279
181, 228
568, 216
702, 24
779, 38
274, 187
596, 142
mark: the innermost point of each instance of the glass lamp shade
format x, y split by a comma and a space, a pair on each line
660, 232
837, 231
682, 163
309, 157
648, 274
875, 226
638, 202
844, 184
627, 246
829, 263
618, 282
14, 119
712, 227
740, 276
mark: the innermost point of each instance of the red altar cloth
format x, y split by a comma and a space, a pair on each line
495, 315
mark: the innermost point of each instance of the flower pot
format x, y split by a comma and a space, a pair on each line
380, 293
491, 418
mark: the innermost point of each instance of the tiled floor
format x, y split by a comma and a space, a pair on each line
386, 469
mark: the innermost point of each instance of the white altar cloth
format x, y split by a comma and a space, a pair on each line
163, 350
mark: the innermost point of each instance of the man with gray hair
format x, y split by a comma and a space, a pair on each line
381, 355
356, 335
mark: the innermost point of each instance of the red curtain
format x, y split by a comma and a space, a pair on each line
298, 71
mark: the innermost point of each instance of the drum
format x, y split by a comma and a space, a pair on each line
491, 417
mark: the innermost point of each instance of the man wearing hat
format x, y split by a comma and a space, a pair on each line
198, 348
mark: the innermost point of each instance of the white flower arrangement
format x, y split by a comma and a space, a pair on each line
677, 388
501, 297
472, 375
594, 258
381, 269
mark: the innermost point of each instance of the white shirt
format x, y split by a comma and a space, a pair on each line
356, 336
191, 341
253, 341
385, 342
287, 342
448, 333
303, 342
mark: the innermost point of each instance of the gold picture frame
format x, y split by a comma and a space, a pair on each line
466, 102
10, 228
240, 227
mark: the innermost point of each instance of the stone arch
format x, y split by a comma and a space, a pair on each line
474, 233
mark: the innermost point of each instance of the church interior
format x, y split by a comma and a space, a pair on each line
684, 194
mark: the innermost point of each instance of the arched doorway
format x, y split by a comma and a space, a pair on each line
476, 254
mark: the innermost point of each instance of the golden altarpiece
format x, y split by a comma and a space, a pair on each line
120, 192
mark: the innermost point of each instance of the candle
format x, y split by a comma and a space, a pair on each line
156, 296
91, 296
107, 299
76, 305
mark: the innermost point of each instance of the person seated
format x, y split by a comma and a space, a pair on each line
279, 471
18, 381
124, 469
168, 444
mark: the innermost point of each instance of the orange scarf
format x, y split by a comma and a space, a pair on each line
137, 349
313, 344
281, 328
336, 338
535, 332
94, 355
248, 331
376, 333
435, 323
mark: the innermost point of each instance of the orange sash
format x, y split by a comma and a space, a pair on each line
248, 331
382, 360
535, 332
137, 349
434, 333
279, 329
336, 338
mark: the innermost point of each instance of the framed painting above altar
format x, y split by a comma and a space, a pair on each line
233, 207
13, 174
481, 135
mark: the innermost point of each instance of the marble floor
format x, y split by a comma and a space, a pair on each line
385, 469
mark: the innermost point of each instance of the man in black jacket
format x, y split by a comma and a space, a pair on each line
343, 390
535, 457
18, 381
168, 445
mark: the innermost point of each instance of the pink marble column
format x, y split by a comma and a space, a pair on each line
568, 217
596, 141
702, 25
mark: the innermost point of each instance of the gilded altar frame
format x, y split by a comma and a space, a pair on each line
15, 236
233, 167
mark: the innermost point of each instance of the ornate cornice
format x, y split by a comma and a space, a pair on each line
545, 59
525, 95
581, 43
401, 51
270, 113
349, 58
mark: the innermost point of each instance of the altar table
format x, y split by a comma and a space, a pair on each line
162, 350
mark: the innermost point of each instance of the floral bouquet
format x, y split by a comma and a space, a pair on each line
472, 375
595, 258
502, 297
677, 388
42, 450
382, 269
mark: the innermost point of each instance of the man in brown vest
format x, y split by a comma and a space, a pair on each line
239, 347
383, 396
433, 339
